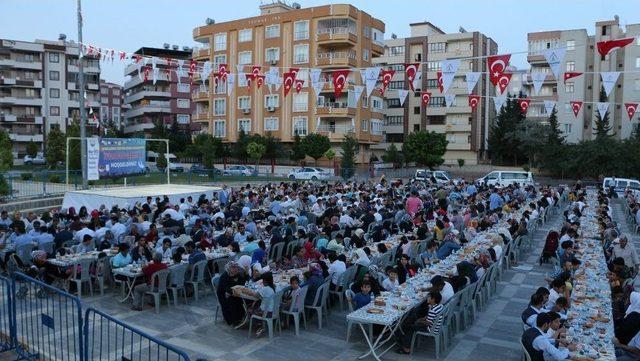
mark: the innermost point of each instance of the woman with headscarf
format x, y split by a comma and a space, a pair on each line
629, 327
362, 262
231, 306
259, 262
314, 279
245, 263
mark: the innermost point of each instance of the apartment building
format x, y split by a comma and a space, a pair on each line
582, 56
39, 89
466, 130
167, 101
111, 104
286, 36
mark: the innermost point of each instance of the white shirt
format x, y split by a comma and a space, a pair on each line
498, 250
390, 286
447, 292
80, 234
173, 214
183, 208
117, 230
336, 269
317, 209
347, 220
553, 297
549, 351
219, 214
531, 321
99, 234
377, 216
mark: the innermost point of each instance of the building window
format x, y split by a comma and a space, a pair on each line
432, 83
54, 75
418, 57
433, 65
244, 102
116, 112
272, 31
244, 35
300, 102
301, 30
272, 54
244, 125
436, 102
220, 42
219, 59
394, 120
571, 45
365, 103
104, 114
220, 88
301, 54
416, 127
104, 91
115, 91
396, 50
364, 125
181, 118
54, 111
436, 119
567, 108
569, 87
416, 110
566, 128
219, 128
638, 61
270, 124
183, 88
393, 103
271, 101
437, 47
54, 93
396, 67
244, 58
184, 103
54, 57
115, 101
300, 126
394, 85
636, 84
571, 66
220, 106
376, 103
365, 54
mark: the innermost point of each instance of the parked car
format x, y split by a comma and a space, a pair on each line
241, 170
621, 184
200, 169
505, 178
37, 160
442, 177
173, 167
309, 173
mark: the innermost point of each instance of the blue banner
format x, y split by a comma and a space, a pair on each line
120, 157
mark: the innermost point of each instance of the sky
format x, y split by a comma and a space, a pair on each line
130, 24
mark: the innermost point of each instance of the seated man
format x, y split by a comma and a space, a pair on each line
538, 346
532, 311
149, 270
429, 323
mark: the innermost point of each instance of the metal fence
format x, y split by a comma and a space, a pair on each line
6, 321
106, 338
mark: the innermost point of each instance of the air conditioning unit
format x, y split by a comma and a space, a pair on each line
273, 62
271, 109
246, 111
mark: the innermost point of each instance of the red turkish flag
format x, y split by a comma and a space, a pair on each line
410, 71
255, 71
294, 71
576, 106
90, 52
340, 80
440, 83
289, 79
136, 58
570, 74
497, 65
299, 84
386, 79
474, 100
192, 69
222, 71
146, 73
524, 105
122, 55
503, 82
249, 77
605, 47
631, 109
216, 78
168, 72
381, 91
259, 80
426, 96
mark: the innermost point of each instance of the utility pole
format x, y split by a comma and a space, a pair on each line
83, 112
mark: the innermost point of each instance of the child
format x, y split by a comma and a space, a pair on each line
363, 297
430, 256
391, 282
430, 323
292, 295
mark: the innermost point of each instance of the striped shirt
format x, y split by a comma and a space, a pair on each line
434, 317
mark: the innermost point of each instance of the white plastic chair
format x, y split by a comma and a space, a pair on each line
159, 287
296, 313
176, 283
83, 276
437, 336
215, 282
270, 321
320, 303
197, 277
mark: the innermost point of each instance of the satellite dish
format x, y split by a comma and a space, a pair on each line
210, 21
166, 45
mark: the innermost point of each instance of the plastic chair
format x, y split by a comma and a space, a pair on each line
219, 264
215, 282
275, 252
320, 302
270, 321
176, 283
339, 290
296, 313
525, 354
437, 336
103, 271
197, 277
83, 275
159, 287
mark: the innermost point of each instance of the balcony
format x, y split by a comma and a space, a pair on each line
22, 101
200, 117
336, 132
18, 81
146, 94
21, 63
160, 107
8, 118
336, 36
135, 128
24, 136
457, 127
337, 59
335, 110
135, 80
199, 96
93, 86
201, 54
377, 48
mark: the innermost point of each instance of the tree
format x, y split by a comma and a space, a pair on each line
6, 160
32, 149
330, 154
239, 149
73, 131
602, 125
315, 145
531, 137
55, 147
425, 148
555, 135
348, 148
161, 160
297, 149
501, 144
179, 138
256, 151
392, 155
273, 146
207, 148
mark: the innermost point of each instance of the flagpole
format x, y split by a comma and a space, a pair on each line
83, 114
486, 106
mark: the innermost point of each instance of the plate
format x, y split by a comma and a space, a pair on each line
375, 311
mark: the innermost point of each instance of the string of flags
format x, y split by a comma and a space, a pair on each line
149, 69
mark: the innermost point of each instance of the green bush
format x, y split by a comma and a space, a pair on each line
55, 178
4, 186
26, 176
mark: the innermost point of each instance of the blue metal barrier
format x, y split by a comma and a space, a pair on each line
6, 315
47, 321
107, 338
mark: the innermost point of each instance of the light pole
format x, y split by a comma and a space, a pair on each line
83, 113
